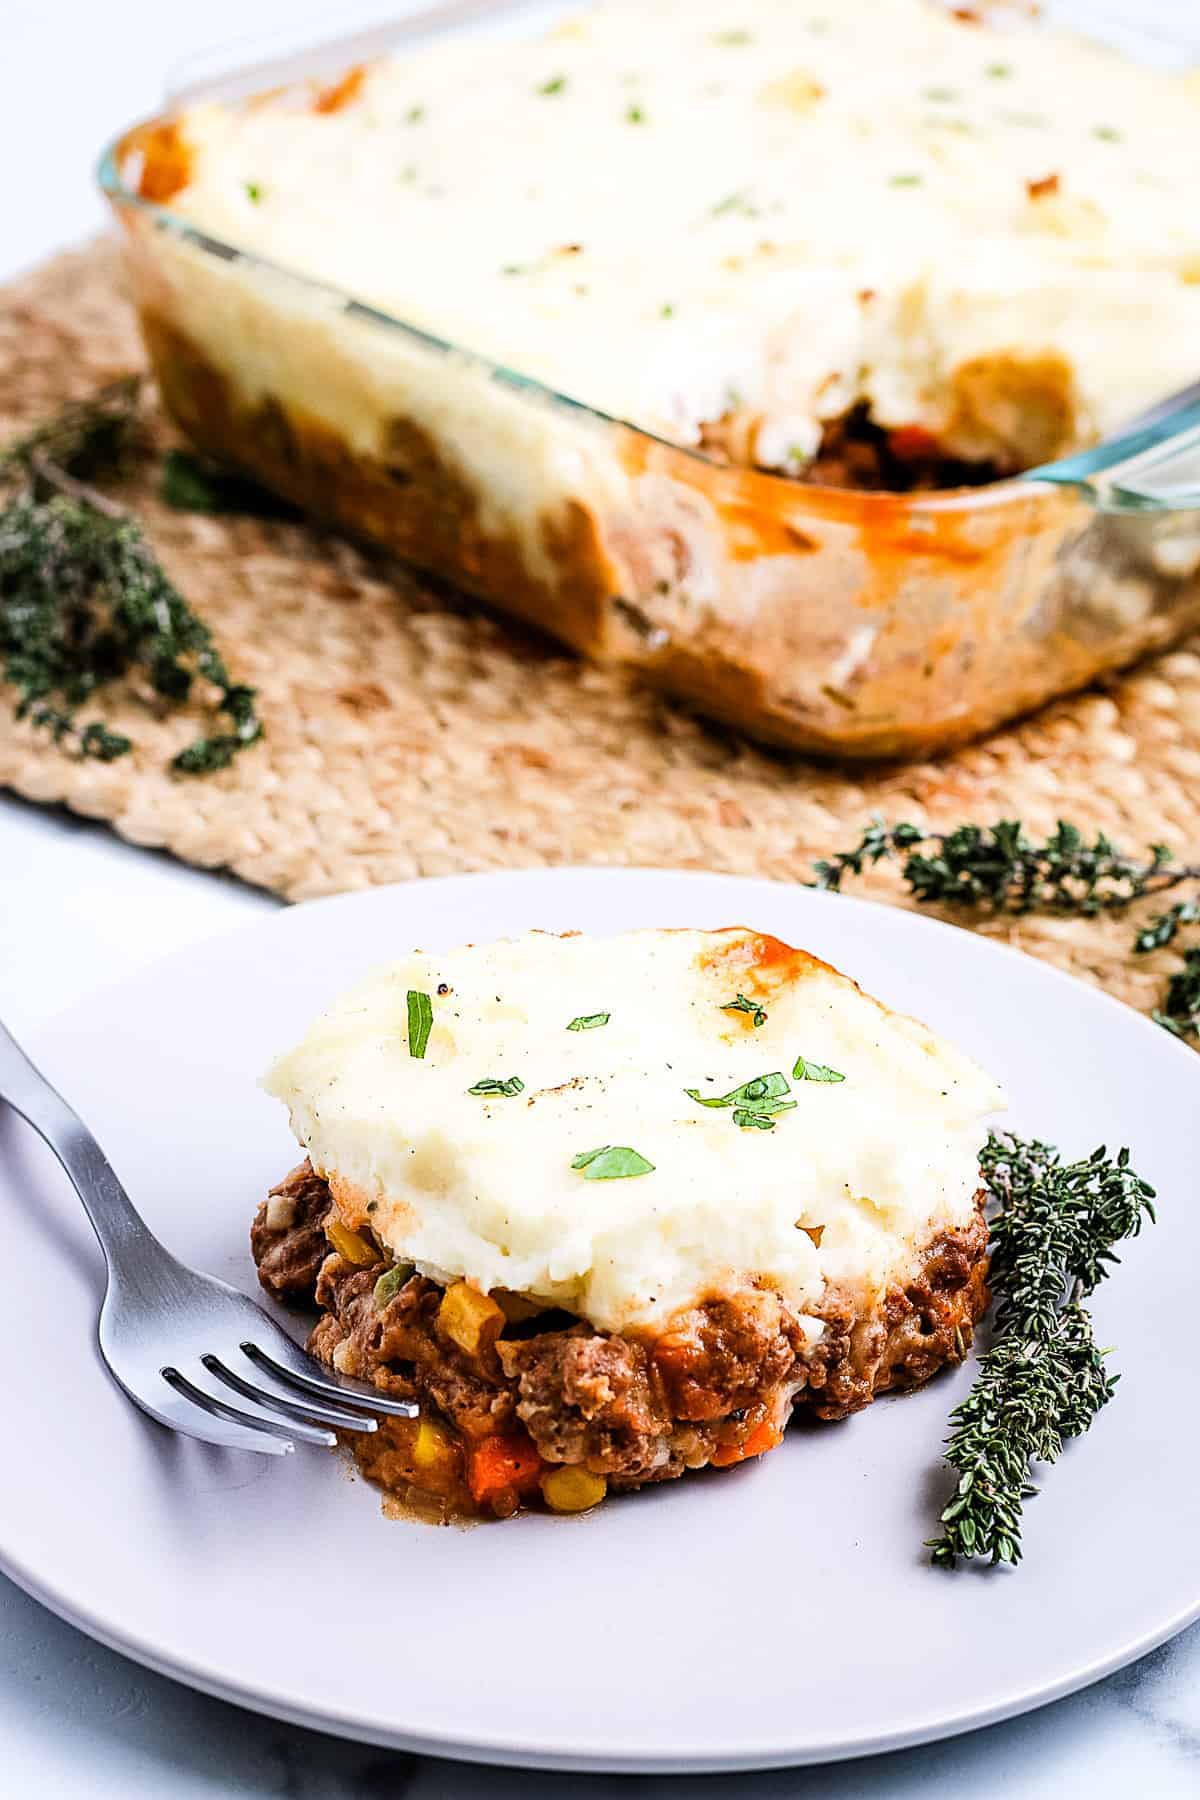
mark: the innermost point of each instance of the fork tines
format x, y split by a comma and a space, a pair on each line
311, 1413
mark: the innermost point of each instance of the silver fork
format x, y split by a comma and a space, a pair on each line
185, 1346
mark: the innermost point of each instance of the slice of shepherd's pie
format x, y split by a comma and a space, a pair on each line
610, 1208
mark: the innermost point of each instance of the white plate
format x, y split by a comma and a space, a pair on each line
776, 1614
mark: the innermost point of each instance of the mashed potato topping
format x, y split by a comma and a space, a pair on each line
771, 211
576, 1045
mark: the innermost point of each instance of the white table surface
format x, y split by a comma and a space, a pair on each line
78, 908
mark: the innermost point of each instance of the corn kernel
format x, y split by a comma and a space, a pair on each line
431, 1445
350, 1244
471, 1319
572, 1490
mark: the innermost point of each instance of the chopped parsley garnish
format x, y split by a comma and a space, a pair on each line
906, 180
390, 1283
666, 310
728, 39
741, 1004
414, 115
420, 1021
589, 1021
491, 1087
811, 1071
1108, 134
749, 1120
940, 93
756, 1103
253, 192
514, 269
763, 1094
555, 85
611, 1162
635, 115
999, 71
736, 203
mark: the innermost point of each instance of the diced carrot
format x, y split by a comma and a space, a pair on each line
1038, 190
341, 93
911, 442
507, 1460
676, 1355
764, 1437
166, 160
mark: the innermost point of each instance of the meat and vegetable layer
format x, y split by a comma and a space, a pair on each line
612, 1206
525, 1406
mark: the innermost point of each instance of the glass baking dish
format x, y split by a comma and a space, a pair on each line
824, 619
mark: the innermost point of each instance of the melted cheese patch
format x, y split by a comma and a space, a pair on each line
482, 1187
773, 211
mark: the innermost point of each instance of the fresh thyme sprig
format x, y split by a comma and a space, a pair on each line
1043, 1380
83, 599
1163, 927
1181, 1013
998, 869
997, 866
90, 437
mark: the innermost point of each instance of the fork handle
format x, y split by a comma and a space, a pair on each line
115, 1220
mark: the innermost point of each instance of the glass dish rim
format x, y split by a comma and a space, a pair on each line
1026, 486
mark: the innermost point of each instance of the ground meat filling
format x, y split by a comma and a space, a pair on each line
719, 1358
400, 1348
716, 1386
856, 453
586, 1398
287, 1239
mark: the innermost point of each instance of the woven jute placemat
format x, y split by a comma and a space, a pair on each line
409, 733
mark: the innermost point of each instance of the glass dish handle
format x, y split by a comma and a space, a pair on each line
1154, 468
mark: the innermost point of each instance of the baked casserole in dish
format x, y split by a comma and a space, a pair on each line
611, 1209
716, 340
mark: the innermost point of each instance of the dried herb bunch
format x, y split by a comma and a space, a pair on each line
83, 599
997, 868
1043, 1380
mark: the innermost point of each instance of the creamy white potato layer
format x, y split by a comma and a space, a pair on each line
809, 1180
773, 209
